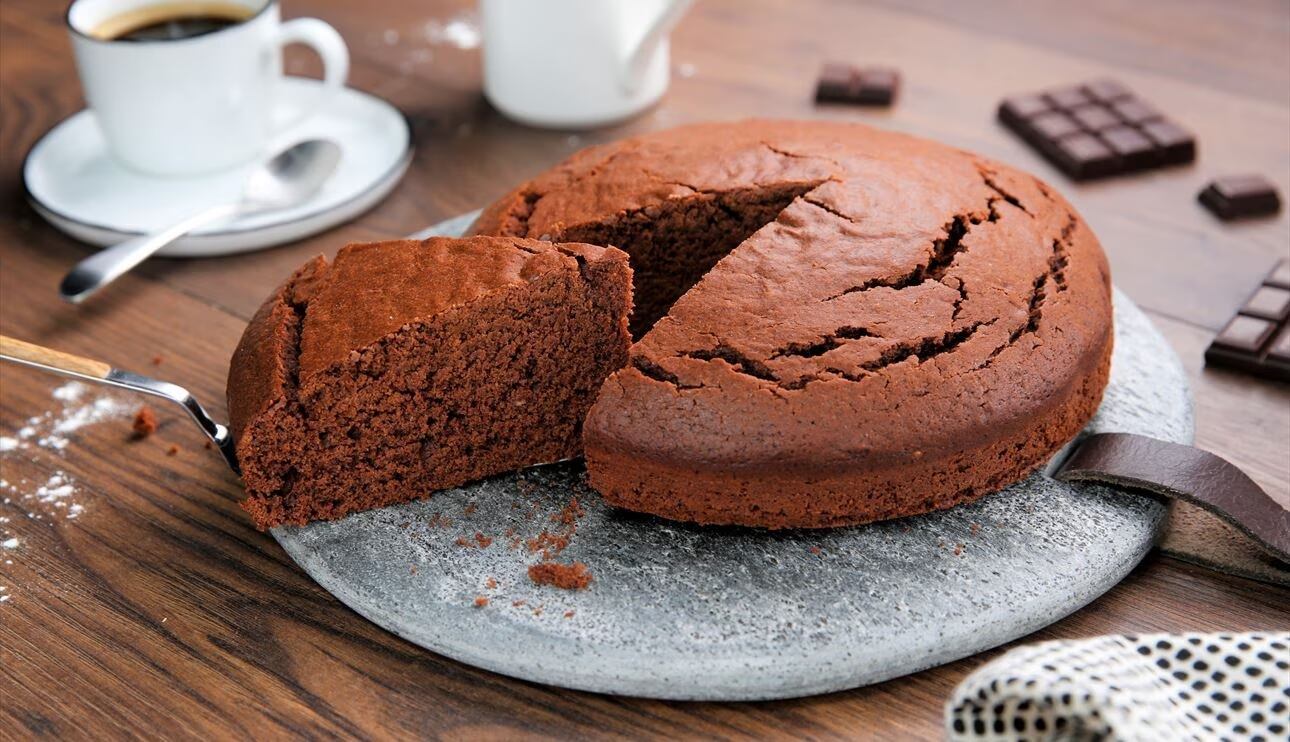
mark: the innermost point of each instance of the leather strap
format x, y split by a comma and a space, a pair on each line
1183, 473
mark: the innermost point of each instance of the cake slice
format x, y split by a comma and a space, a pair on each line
406, 367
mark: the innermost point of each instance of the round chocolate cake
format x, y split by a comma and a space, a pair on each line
834, 324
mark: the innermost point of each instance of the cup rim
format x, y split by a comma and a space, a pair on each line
76, 32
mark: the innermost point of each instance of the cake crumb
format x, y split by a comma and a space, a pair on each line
412, 570
548, 543
438, 521
815, 550
172, 450
537, 611
491, 584
480, 601
570, 514
470, 509
574, 576
568, 614
483, 541
518, 603
975, 528
461, 541
958, 549
145, 423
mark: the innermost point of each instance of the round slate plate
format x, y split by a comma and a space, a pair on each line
689, 613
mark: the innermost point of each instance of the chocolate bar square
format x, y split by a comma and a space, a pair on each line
1236, 196
1113, 130
1095, 117
844, 83
1257, 339
1086, 154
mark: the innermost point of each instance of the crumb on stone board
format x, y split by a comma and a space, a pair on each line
574, 576
480, 601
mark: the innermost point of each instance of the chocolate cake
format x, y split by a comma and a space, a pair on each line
836, 324
405, 367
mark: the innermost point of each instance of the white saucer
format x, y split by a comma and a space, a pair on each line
74, 183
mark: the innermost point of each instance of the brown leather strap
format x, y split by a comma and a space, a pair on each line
1183, 473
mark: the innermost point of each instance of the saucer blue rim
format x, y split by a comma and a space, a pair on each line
400, 165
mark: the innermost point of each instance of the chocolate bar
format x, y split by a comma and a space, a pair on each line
1236, 196
1257, 339
1097, 129
866, 86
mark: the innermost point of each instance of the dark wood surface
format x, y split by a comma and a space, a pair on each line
161, 611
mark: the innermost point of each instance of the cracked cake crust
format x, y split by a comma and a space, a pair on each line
899, 326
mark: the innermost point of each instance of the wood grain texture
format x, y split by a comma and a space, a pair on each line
160, 611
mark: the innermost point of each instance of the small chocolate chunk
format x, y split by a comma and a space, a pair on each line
844, 83
877, 86
1237, 196
1257, 339
1097, 129
835, 83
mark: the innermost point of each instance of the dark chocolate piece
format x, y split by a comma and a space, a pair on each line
844, 83
1236, 196
1097, 129
1257, 339
1085, 154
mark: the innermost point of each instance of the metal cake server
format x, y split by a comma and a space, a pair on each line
287, 179
87, 369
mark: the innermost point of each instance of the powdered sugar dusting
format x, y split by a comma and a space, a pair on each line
460, 31
50, 430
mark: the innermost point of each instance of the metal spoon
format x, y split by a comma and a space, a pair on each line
288, 179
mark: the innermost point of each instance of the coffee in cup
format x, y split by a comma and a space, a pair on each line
183, 88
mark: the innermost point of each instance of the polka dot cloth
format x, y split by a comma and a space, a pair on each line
1151, 687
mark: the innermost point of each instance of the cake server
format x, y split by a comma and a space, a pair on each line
288, 179
88, 369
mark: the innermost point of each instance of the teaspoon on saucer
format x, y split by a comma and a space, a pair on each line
287, 179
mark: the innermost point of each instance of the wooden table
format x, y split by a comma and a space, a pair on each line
160, 610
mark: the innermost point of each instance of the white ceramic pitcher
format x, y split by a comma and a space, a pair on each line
574, 64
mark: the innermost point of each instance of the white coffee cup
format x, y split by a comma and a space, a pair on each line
575, 64
198, 104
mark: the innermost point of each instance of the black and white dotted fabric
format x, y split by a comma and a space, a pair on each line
1150, 687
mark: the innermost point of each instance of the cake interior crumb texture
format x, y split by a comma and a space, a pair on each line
406, 367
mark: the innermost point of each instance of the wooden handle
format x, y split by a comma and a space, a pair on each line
22, 351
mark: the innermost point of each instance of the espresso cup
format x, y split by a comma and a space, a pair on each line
188, 104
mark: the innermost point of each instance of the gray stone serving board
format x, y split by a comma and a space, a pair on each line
690, 613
